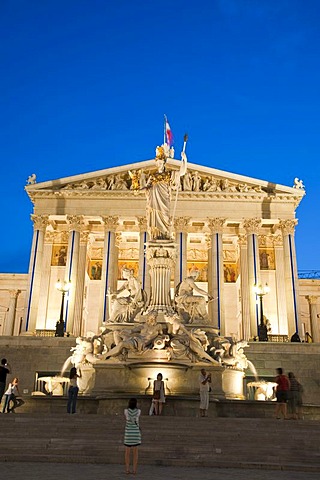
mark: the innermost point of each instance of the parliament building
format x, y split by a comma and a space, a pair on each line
236, 232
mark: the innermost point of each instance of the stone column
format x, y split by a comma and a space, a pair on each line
290, 275
181, 227
79, 293
45, 280
215, 274
315, 334
109, 264
252, 226
9, 324
245, 290
144, 276
40, 223
280, 285
75, 225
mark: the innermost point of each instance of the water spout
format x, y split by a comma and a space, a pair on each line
253, 370
66, 365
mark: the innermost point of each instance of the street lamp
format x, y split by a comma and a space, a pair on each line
261, 291
64, 288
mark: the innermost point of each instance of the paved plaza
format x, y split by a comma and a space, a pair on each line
52, 471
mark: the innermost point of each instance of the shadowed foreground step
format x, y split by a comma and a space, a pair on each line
224, 442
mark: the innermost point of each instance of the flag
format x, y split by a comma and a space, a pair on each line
169, 136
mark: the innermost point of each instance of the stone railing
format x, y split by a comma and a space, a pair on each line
45, 333
278, 338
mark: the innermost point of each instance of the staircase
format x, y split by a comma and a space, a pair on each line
175, 441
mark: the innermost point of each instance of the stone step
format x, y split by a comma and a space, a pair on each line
166, 440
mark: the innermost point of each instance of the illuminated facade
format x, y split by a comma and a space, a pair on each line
235, 231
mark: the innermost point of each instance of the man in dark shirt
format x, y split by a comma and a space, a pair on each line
283, 387
4, 370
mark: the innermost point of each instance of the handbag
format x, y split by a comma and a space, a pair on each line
156, 395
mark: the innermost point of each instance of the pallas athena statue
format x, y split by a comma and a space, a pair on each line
159, 187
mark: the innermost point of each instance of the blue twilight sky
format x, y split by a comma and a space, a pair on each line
84, 85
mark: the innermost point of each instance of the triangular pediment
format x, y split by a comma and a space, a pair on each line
198, 180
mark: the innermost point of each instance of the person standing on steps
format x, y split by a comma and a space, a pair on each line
283, 387
12, 394
158, 394
295, 398
73, 391
204, 386
4, 370
132, 435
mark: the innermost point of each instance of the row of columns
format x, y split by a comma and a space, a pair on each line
76, 263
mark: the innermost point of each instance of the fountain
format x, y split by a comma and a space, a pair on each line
174, 336
261, 390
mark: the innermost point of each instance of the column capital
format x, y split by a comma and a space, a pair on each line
208, 241
49, 236
216, 224
40, 222
242, 240
252, 225
142, 222
287, 226
118, 239
75, 222
312, 299
277, 241
111, 222
14, 293
181, 224
84, 236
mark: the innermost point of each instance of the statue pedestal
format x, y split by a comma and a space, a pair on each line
136, 378
232, 384
161, 257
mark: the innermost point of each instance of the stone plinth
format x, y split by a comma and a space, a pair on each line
232, 384
137, 378
161, 257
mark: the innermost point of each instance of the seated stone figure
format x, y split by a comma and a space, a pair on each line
126, 308
190, 343
137, 339
192, 308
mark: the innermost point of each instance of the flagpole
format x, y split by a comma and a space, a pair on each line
164, 129
185, 139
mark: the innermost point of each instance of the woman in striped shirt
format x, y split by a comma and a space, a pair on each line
132, 434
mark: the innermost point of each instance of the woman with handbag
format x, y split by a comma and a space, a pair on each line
158, 394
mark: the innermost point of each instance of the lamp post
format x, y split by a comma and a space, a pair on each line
261, 291
64, 288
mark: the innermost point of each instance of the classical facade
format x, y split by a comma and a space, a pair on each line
235, 232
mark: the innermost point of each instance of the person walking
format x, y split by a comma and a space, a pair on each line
73, 391
132, 435
4, 370
295, 398
158, 394
283, 387
204, 386
12, 394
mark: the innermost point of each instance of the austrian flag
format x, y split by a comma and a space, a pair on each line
169, 135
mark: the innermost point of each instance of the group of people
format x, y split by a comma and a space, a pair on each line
289, 396
10, 392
